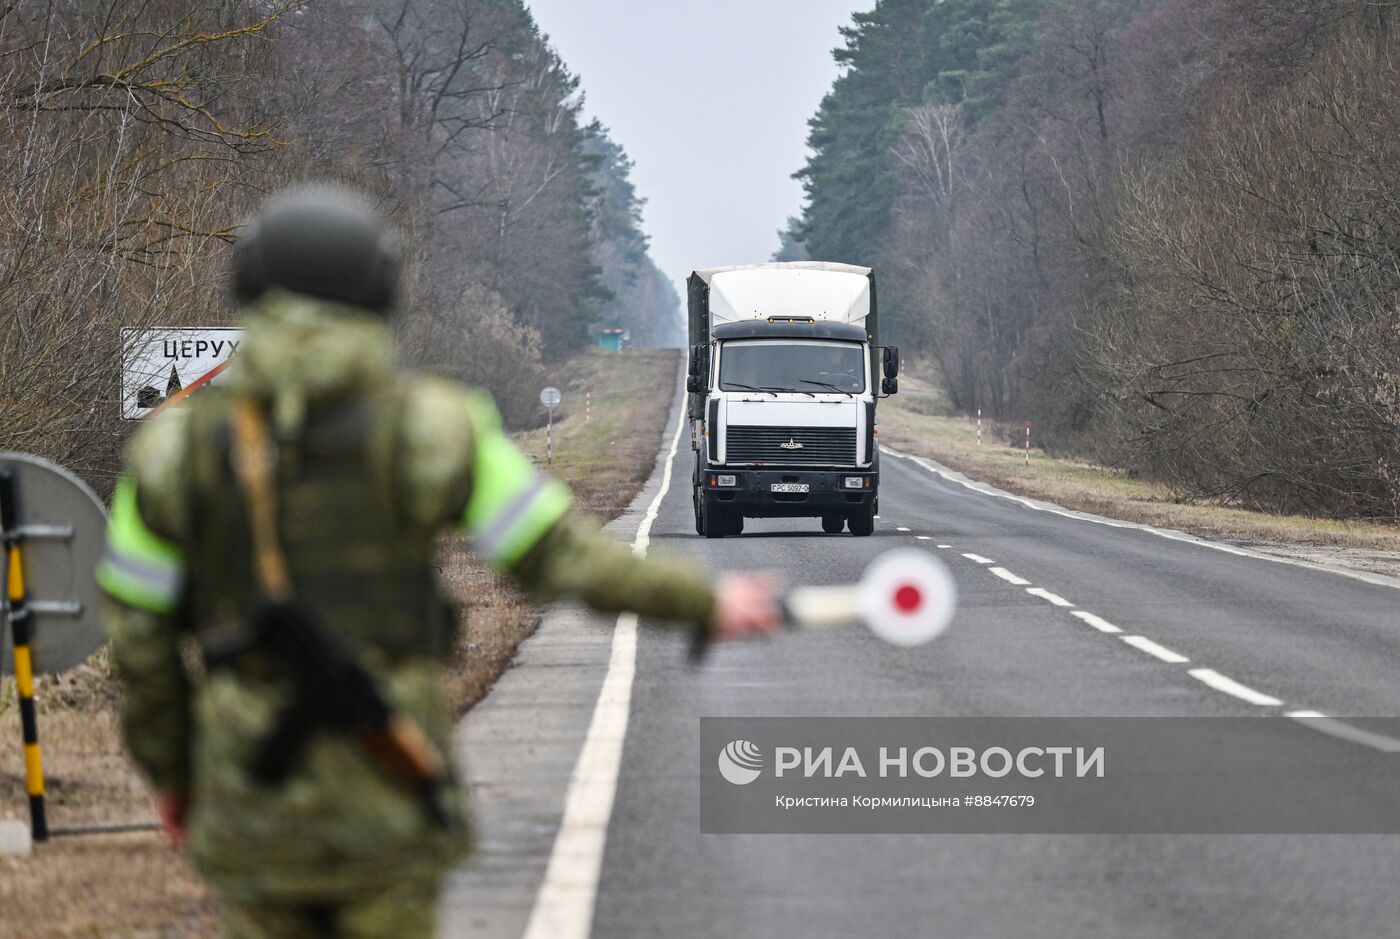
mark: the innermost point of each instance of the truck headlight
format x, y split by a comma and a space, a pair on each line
725, 480
855, 482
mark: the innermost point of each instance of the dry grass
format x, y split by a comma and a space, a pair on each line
607, 458
133, 885
604, 459
917, 423
108, 885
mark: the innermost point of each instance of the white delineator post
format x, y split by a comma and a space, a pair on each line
979, 427
1028, 443
587, 406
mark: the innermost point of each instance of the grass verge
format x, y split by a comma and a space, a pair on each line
606, 432
132, 885
917, 423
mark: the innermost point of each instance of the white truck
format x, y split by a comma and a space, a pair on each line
783, 371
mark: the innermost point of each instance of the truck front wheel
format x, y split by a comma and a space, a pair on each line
862, 522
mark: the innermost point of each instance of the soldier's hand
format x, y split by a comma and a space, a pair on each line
171, 809
745, 606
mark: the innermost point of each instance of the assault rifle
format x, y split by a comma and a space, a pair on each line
332, 693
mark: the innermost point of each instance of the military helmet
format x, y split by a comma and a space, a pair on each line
323, 241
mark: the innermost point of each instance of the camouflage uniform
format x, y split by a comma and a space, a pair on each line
338, 849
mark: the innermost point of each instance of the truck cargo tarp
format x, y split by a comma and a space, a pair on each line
710, 272
823, 290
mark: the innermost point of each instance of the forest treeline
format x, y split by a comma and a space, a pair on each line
138, 135
1165, 232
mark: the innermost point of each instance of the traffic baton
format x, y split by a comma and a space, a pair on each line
906, 597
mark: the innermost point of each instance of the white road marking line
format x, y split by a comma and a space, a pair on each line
1009, 577
1157, 651
1321, 723
1380, 580
924, 538
978, 558
898, 528
1098, 622
1044, 594
945, 546
1231, 687
564, 905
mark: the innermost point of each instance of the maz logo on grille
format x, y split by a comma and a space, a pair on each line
792, 444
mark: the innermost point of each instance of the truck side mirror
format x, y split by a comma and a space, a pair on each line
695, 352
891, 363
692, 384
890, 386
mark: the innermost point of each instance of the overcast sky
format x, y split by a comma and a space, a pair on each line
711, 100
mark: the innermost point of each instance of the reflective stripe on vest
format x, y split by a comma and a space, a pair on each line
512, 504
140, 568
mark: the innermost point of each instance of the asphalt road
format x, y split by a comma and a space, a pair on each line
1273, 638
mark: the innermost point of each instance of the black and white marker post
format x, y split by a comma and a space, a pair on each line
906, 597
550, 398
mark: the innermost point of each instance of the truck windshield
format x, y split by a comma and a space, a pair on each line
802, 367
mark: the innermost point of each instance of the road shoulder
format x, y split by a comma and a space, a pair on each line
1315, 557
517, 749
918, 422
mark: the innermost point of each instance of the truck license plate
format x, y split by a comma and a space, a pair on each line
791, 487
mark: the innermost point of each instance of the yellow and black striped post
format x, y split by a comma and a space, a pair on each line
17, 611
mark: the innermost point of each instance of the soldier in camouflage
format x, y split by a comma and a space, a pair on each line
371, 466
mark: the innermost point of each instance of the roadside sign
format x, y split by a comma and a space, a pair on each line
51, 532
62, 530
158, 363
550, 398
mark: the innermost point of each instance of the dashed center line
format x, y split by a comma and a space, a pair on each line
1098, 622
1044, 594
1313, 720
1229, 686
900, 528
1009, 577
1156, 650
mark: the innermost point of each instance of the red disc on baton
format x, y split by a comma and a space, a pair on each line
907, 597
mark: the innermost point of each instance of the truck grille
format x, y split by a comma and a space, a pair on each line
834, 446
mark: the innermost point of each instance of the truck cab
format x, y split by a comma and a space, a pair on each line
784, 383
